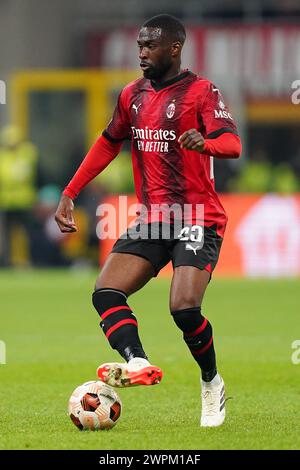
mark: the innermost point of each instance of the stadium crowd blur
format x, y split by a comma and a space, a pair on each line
30, 189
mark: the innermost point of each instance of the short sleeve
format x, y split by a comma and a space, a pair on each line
215, 116
118, 129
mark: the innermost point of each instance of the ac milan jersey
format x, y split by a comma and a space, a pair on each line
154, 117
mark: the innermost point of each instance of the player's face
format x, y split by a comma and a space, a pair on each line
155, 53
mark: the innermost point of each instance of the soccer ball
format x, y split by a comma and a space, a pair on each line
94, 405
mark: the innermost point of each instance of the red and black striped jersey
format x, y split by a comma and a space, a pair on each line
154, 117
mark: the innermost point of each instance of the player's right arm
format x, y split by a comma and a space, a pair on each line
64, 215
104, 150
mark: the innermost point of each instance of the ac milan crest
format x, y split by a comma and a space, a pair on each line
171, 110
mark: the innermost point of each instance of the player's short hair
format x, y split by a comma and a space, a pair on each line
169, 25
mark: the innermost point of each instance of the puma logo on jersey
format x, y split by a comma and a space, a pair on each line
192, 248
136, 108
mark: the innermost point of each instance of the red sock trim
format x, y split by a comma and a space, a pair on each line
198, 330
114, 309
118, 325
198, 352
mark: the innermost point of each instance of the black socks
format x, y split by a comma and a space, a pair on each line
197, 333
118, 322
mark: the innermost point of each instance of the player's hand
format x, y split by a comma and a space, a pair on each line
64, 215
192, 140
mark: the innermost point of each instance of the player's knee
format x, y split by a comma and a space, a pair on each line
99, 283
184, 301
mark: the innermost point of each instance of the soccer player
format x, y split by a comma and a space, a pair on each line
177, 122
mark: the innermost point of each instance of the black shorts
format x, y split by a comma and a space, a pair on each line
192, 246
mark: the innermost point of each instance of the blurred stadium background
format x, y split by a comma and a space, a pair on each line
63, 64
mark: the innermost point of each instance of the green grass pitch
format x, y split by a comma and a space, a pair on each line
54, 344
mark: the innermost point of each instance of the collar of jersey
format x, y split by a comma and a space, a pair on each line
161, 86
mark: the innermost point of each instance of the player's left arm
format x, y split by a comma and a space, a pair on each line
226, 145
219, 135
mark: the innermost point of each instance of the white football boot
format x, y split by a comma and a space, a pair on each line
213, 402
138, 371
